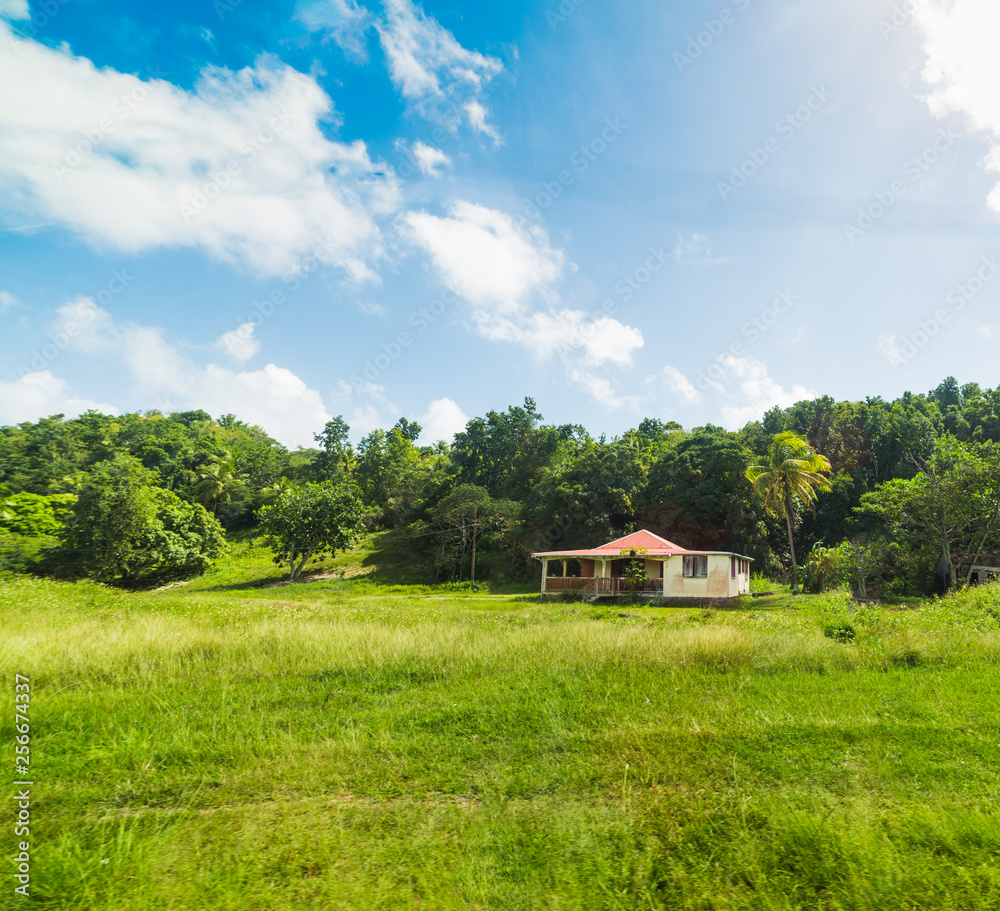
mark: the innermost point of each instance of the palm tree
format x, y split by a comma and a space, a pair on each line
215, 481
792, 472
277, 490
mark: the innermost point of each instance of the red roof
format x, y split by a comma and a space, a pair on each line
654, 545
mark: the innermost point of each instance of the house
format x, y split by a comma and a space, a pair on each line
667, 571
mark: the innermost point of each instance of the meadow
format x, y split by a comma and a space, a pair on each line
350, 743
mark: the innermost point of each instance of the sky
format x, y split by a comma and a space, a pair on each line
296, 209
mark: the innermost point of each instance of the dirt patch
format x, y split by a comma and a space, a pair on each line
350, 572
166, 588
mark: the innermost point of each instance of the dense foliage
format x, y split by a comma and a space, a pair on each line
514, 484
308, 521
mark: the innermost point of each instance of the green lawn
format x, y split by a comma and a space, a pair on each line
235, 744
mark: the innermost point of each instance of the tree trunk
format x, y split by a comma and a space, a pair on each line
789, 512
979, 549
946, 550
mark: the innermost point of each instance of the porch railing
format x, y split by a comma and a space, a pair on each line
599, 587
559, 584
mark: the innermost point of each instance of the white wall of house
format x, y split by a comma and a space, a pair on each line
719, 583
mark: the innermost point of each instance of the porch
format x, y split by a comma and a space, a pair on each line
603, 587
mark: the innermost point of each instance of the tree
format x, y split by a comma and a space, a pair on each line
590, 496
824, 567
123, 527
183, 541
635, 570
216, 482
33, 515
953, 503
698, 493
860, 559
388, 471
506, 451
29, 527
336, 455
792, 474
464, 513
312, 520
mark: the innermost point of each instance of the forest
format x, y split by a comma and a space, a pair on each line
906, 503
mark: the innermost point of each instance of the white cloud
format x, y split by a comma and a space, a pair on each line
567, 332
38, 395
86, 326
429, 67
365, 407
240, 343
238, 167
272, 397
985, 332
891, 350
7, 300
757, 391
602, 390
481, 254
681, 386
442, 420
504, 270
14, 9
963, 66
430, 160
477, 120
342, 20
790, 341
698, 252
372, 308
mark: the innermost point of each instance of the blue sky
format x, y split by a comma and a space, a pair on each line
687, 211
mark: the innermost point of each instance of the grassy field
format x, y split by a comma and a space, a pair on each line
235, 744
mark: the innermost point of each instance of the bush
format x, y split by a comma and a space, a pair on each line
23, 553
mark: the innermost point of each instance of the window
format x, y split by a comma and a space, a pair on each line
696, 567
574, 569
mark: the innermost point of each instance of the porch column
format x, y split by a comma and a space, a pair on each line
545, 572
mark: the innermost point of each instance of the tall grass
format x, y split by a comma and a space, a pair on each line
348, 746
